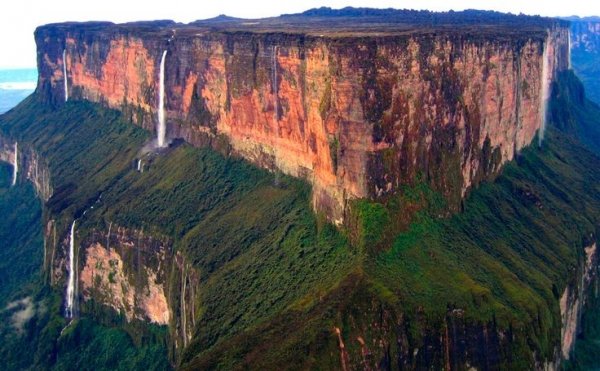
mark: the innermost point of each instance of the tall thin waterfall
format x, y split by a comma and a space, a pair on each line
569, 38
274, 82
65, 74
162, 130
544, 92
16, 164
71, 281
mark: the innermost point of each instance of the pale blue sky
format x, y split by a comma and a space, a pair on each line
19, 18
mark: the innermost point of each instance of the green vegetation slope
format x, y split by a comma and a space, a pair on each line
280, 287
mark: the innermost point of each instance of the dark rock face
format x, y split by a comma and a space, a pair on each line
356, 112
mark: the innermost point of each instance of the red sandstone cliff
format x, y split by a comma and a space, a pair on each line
356, 114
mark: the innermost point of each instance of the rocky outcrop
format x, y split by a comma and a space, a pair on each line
186, 295
573, 300
131, 272
32, 166
127, 270
358, 114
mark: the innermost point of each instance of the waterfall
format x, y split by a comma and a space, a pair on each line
16, 164
274, 82
162, 130
139, 165
183, 310
569, 43
65, 75
72, 273
544, 91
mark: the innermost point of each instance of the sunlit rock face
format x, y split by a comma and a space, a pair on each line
127, 270
356, 115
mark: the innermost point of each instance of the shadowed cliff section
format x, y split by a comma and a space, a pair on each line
358, 102
573, 113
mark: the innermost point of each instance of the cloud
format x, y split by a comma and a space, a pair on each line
24, 310
18, 85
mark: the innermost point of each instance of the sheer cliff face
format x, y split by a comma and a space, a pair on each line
573, 300
130, 271
357, 117
32, 166
127, 270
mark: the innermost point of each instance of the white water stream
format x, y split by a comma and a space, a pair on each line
65, 75
16, 164
71, 280
162, 129
544, 92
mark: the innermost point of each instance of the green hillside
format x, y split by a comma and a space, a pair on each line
278, 281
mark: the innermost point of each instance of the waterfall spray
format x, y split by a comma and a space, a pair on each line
162, 130
544, 91
65, 74
16, 164
72, 273
274, 82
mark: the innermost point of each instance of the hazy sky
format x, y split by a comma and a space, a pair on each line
19, 18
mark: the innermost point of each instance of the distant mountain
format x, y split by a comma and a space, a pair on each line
575, 18
585, 53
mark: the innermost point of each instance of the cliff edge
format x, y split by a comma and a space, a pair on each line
358, 108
